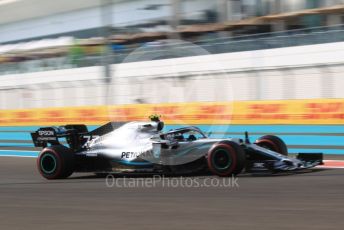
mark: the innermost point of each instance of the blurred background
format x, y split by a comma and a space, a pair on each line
38, 36
281, 62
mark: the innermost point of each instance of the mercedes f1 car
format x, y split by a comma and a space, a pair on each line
142, 147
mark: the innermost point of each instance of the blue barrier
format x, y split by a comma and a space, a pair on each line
328, 139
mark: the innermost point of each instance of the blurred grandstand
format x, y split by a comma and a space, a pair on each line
250, 39
39, 35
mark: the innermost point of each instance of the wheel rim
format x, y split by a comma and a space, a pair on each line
48, 163
221, 159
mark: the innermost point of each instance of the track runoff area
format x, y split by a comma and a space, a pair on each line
311, 200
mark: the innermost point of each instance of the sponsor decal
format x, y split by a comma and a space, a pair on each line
46, 133
46, 138
312, 111
139, 154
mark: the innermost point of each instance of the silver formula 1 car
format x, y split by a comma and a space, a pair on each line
142, 147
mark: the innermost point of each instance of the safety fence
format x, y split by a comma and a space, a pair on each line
76, 56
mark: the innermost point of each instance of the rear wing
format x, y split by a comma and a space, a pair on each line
50, 135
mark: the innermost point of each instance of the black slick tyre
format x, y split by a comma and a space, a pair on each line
226, 159
56, 162
273, 143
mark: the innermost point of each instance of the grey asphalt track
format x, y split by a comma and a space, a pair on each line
302, 201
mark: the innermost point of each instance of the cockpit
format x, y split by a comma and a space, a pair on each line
184, 134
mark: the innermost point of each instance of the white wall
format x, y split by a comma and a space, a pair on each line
314, 71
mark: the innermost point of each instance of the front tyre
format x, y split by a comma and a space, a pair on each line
56, 162
226, 159
273, 143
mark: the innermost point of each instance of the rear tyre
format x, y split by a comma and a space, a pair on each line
273, 143
226, 159
56, 162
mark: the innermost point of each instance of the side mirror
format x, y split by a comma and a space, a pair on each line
247, 139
